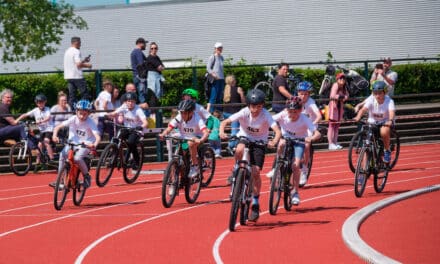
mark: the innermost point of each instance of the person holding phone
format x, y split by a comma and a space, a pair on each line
383, 72
73, 65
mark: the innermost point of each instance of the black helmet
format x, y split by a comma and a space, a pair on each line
130, 96
255, 96
186, 105
40, 98
294, 103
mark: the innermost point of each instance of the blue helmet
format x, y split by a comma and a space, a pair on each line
379, 86
305, 86
84, 105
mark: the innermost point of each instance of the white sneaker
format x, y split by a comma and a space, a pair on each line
303, 177
171, 190
338, 146
295, 198
270, 173
332, 147
194, 171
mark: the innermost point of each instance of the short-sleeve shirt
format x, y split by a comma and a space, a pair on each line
277, 82
40, 115
193, 128
202, 112
72, 56
310, 109
254, 129
103, 97
58, 118
132, 118
81, 131
299, 129
4, 110
379, 112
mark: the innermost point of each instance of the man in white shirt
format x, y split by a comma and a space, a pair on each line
73, 65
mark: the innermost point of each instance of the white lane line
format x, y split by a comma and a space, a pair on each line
350, 233
221, 237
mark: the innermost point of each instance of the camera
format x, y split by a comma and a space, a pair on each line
379, 66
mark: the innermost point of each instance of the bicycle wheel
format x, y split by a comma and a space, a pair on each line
106, 164
236, 198
132, 168
61, 187
287, 191
380, 174
245, 206
309, 164
395, 148
266, 87
170, 183
354, 149
362, 172
79, 191
208, 165
275, 189
20, 160
193, 186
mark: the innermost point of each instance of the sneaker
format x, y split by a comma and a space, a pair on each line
387, 156
255, 212
218, 156
332, 147
338, 146
194, 171
87, 181
270, 173
295, 198
303, 177
171, 190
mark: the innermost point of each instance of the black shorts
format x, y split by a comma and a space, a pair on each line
47, 135
256, 154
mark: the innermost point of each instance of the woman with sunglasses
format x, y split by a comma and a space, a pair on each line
155, 78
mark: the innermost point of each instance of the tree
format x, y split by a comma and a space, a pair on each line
29, 29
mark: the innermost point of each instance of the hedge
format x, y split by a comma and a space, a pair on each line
413, 78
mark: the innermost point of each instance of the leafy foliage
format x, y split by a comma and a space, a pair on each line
29, 29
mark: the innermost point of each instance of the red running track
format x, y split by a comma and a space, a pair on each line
123, 223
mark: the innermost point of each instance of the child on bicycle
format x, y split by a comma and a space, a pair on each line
132, 116
295, 125
255, 122
381, 111
190, 126
42, 116
311, 110
82, 129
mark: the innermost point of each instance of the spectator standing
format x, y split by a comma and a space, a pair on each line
383, 72
280, 88
155, 78
215, 68
9, 128
137, 58
232, 95
338, 95
73, 74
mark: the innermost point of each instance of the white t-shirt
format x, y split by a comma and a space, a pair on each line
81, 131
132, 118
103, 97
254, 129
72, 56
379, 112
310, 109
193, 128
39, 115
202, 112
58, 118
299, 129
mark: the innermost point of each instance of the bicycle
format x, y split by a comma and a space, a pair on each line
293, 80
280, 182
20, 154
308, 166
176, 175
115, 155
356, 144
70, 178
370, 160
242, 185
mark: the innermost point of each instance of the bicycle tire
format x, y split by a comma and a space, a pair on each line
309, 165
207, 160
61, 187
170, 183
362, 172
106, 164
129, 173
193, 186
275, 189
287, 190
266, 87
354, 149
395, 148
79, 191
19, 162
380, 174
236, 198
246, 206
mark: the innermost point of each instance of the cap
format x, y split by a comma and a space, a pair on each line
218, 45
340, 75
141, 40
387, 60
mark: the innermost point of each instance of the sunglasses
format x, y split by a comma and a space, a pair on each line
153, 48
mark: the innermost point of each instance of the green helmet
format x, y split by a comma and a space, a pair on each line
191, 92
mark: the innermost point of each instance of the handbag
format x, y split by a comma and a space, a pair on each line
208, 81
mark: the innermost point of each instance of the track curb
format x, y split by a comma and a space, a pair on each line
350, 228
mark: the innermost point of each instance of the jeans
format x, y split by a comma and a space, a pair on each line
216, 96
75, 85
235, 127
12, 132
216, 146
80, 154
141, 86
